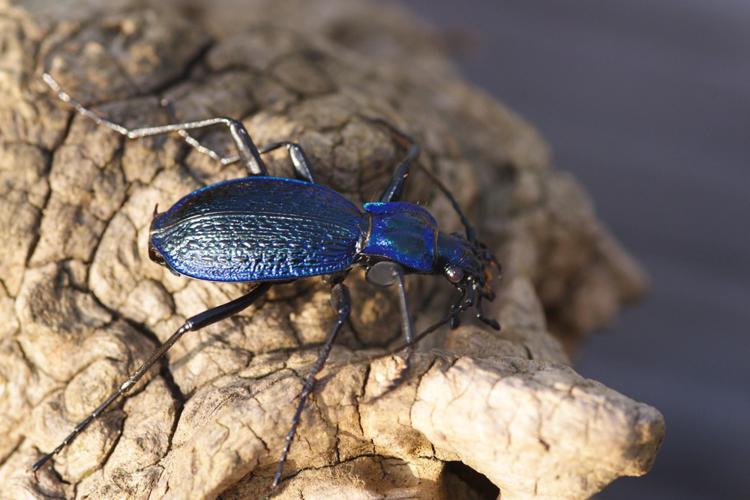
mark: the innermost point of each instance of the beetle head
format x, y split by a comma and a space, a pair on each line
468, 266
456, 256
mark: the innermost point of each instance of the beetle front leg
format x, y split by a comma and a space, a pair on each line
341, 302
395, 188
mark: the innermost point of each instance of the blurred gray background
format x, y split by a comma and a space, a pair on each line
648, 104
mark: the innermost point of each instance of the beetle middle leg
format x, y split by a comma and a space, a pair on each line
386, 273
341, 302
297, 155
194, 323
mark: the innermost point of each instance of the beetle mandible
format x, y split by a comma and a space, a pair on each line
268, 230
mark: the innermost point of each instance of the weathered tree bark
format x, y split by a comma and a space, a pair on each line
82, 306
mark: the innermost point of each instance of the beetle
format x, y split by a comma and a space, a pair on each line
270, 230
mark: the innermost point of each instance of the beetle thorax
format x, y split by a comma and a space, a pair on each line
402, 232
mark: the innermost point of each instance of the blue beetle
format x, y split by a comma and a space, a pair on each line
267, 230
271, 229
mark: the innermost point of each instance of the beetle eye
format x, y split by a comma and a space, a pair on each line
454, 274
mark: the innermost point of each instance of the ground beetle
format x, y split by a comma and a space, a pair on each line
269, 230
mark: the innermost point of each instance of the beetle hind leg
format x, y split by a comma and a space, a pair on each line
195, 143
247, 150
297, 155
193, 323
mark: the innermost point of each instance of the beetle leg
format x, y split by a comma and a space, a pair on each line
297, 155
385, 273
341, 302
395, 188
191, 324
242, 141
458, 307
195, 143
484, 319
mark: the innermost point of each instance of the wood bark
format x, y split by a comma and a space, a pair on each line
82, 306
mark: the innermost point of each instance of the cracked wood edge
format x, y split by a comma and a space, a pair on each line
82, 306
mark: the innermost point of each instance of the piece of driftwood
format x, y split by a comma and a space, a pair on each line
82, 306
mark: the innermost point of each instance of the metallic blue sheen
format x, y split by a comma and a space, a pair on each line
259, 229
404, 233
457, 252
272, 228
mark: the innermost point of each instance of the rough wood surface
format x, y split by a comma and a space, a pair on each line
81, 304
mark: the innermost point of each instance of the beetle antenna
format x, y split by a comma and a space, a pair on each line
471, 234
